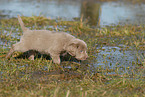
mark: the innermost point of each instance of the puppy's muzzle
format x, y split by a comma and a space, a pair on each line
85, 57
82, 58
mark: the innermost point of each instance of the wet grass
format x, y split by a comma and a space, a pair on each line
22, 77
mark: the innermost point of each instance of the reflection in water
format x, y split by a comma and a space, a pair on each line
49, 8
90, 11
111, 12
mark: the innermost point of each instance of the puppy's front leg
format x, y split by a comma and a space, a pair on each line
55, 58
31, 54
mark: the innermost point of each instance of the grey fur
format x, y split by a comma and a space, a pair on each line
49, 42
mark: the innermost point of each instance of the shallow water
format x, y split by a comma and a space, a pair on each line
112, 57
106, 13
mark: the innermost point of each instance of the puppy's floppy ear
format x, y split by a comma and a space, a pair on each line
75, 44
72, 47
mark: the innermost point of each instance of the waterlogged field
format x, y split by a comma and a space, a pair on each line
115, 67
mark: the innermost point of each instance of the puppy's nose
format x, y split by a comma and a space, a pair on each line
86, 57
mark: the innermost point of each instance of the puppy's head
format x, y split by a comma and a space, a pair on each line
78, 49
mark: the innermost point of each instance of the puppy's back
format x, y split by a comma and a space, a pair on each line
42, 40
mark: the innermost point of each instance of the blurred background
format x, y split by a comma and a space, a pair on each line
95, 12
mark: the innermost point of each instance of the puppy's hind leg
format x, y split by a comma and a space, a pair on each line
16, 47
10, 52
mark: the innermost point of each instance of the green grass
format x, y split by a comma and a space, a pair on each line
23, 77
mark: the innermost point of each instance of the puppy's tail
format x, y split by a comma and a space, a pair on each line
22, 24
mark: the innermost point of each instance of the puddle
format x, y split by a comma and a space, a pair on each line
106, 13
112, 57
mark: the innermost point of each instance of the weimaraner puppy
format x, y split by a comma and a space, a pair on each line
49, 42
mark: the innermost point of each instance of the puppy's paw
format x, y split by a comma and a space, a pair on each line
56, 61
31, 57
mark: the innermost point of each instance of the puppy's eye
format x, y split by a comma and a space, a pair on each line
81, 51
